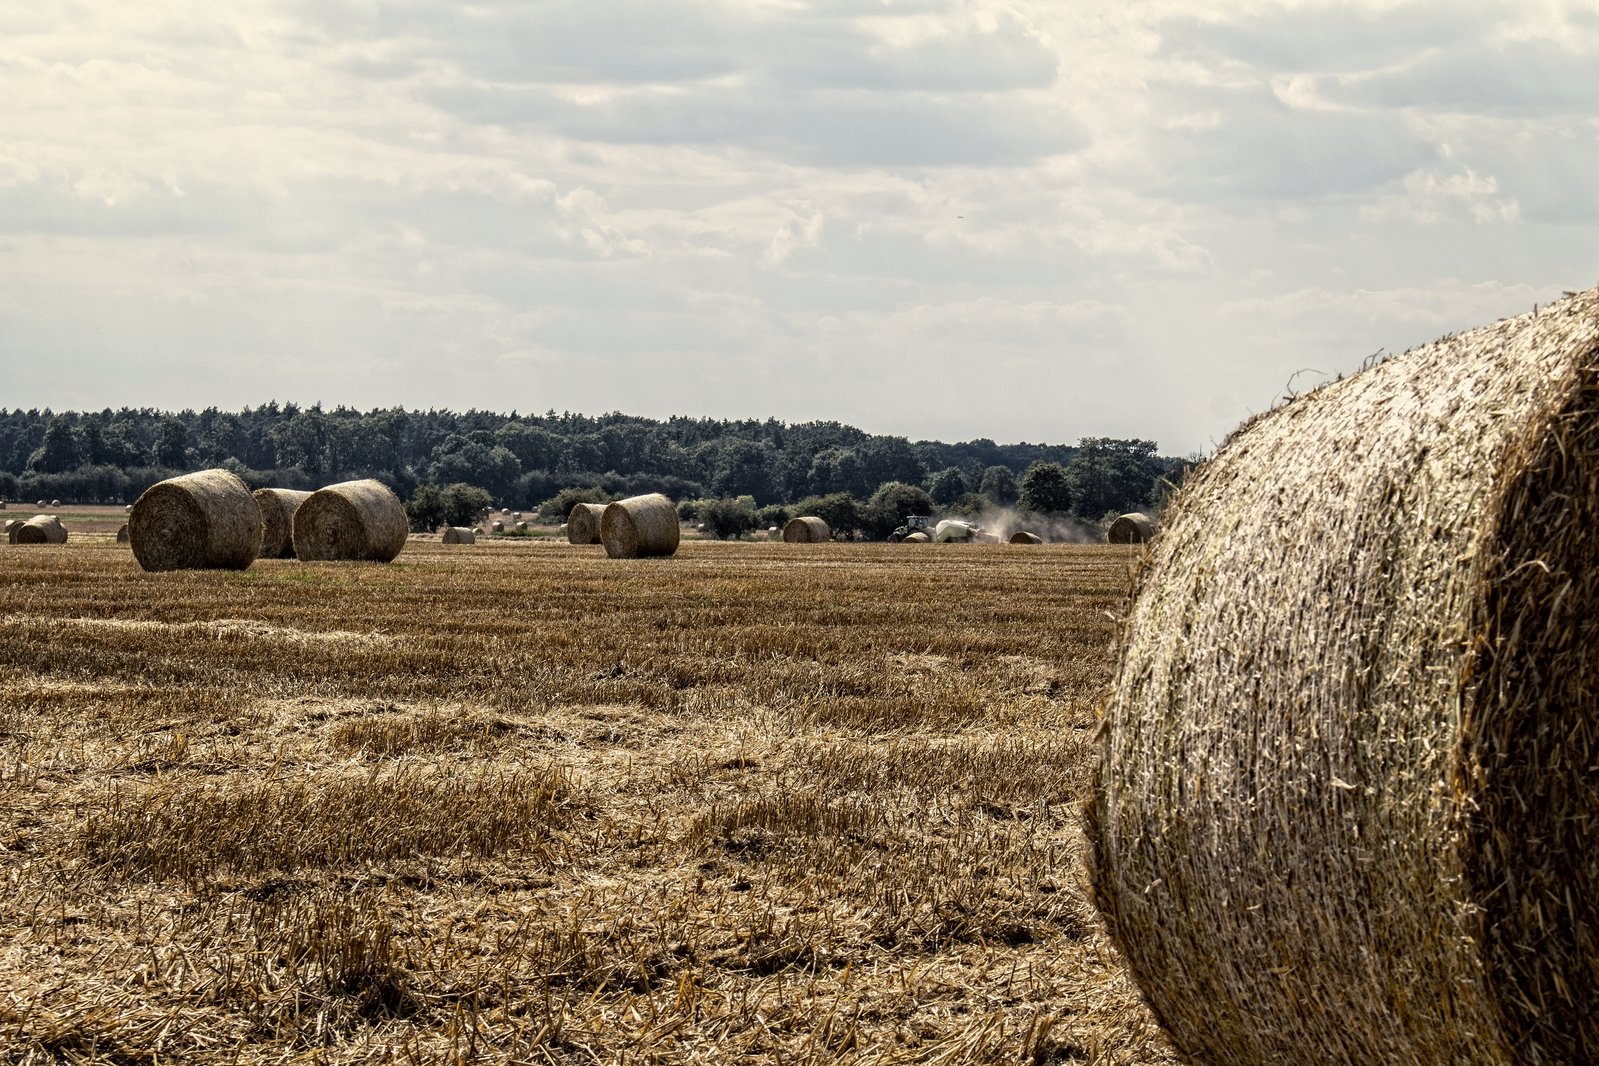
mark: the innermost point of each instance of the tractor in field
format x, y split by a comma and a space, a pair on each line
946, 531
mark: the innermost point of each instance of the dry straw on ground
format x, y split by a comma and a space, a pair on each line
202, 521
1021, 536
640, 526
583, 524
1347, 799
1135, 528
277, 521
353, 520
40, 529
459, 535
806, 530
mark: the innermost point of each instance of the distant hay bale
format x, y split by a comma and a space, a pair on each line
521, 527
122, 533
55, 503
459, 535
40, 529
498, 527
583, 523
42, 505
916, 538
202, 521
277, 521
354, 520
10, 529
517, 515
1346, 806
1135, 528
127, 508
639, 526
1021, 536
806, 530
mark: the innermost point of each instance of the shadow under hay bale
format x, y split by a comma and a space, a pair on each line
202, 521
360, 521
277, 521
459, 535
1135, 528
806, 530
1346, 799
640, 527
40, 529
583, 523
1021, 536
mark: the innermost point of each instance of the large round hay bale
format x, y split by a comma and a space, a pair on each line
583, 523
1135, 528
639, 526
353, 520
459, 535
122, 533
806, 530
1021, 536
1347, 808
202, 521
11, 524
277, 521
916, 538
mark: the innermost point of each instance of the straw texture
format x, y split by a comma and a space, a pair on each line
459, 535
639, 526
277, 521
122, 533
806, 530
40, 529
583, 523
202, 521
1135, 528
1346, 809
1021, 536
353, 520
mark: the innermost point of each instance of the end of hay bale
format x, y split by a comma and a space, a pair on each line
640, 527
277, 521
202, 521
806, 530
1134, 528
122, 534
583, 523
353, 521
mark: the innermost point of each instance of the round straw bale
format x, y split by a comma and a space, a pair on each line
916, 538
40, 529
10, 529
277, 521
583, 524
498, 527
640, 526
807, 530
202, 521
122, 533
42, 505
1021, 536
521, 527
55, 503
353, 520
1135, 528
459, 535
1346, 805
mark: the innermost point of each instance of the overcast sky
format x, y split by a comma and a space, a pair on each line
1028, 220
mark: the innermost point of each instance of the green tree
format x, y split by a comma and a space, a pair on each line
999, 485
947, 486
465, 505
840, 510
889, 505
60, 451
724, 518
425, 509
1045, 489
1111, 475
172, 443
557, 507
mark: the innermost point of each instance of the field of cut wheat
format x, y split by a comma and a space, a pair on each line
516, 802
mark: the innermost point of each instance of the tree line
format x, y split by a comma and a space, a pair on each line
525, 460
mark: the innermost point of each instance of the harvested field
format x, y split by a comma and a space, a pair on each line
757, 809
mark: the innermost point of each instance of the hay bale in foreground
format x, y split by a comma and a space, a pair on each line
361, 521
916, 538
122, 533
806, 530
202, 521
1021, 536
459, 535
277, 521
1135, 528
1346, 808
639, 526
583, 523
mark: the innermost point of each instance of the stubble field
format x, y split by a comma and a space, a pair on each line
518, 802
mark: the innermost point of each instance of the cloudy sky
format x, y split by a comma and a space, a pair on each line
1026, 220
